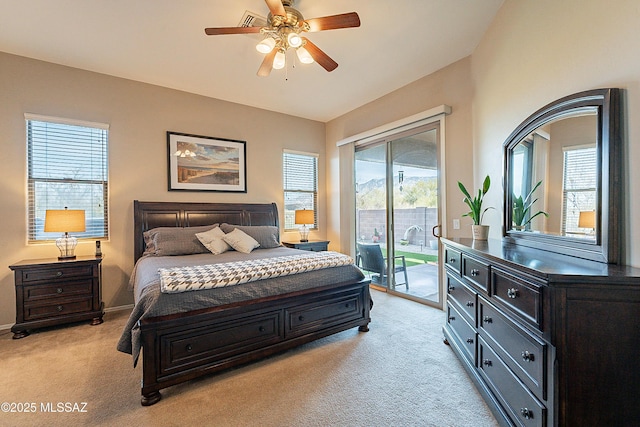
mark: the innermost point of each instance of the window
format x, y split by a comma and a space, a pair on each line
579, 186
67, 167
300, 173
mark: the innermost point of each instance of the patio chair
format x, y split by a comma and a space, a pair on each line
371, 258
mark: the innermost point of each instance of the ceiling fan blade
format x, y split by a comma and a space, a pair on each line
334, 22
231, 30
276, 7
319, 56
267, 63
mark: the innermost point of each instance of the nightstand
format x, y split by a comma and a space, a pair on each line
52, 292
311, 245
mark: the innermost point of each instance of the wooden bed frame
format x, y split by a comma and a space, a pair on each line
184, 346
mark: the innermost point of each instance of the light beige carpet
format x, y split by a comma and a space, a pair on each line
397, 374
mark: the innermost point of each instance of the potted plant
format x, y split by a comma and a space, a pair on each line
521, 209
476, 213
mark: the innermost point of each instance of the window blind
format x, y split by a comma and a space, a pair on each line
300, 176
579, 185
67, 167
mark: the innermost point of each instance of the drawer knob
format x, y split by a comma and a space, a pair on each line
469, 303
58, 273
452, 318
189, 347
487, 362
60, 308
527, 357
452, 288
346, 305
452, 260
59, 290
261, 329
526, 413
487, 319
301, 318
470, 340
512, 293
475, 272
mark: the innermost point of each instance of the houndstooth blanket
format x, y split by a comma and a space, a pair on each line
183, 279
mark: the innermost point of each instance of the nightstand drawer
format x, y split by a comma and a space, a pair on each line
59, 273
61, 290
35, 312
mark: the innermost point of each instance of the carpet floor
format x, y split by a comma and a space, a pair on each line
398, 374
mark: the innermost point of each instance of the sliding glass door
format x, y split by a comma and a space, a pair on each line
396, 211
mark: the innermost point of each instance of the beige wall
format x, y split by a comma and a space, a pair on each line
538, 51
139, 116
451, 86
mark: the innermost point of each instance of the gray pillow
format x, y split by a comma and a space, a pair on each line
165, 241
268, 236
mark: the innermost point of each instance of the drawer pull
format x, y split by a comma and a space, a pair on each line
475, 272
470, 340
58, 273
301, 318
487, 319
452, 260
60, 308
261, 329
452, 288
452, 318
512, 293
469, 303
59, 290
346, 305
526, 413
487, 362
527, 357
189, 347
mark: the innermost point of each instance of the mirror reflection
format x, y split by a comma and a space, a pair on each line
554, 177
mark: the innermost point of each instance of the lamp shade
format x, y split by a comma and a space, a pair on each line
587, 219
64, 221
304, 216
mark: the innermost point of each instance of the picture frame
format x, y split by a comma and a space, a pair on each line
205, 163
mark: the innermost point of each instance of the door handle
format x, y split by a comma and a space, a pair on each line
433, 231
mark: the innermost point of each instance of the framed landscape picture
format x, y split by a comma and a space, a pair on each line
204, 163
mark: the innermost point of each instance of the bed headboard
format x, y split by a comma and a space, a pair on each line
148, 215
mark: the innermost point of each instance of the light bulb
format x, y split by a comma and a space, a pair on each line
304, 56
279, 61
294, 39
266, 45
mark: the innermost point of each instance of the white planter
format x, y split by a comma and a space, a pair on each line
480, 232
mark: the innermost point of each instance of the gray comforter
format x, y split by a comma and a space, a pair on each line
150, 302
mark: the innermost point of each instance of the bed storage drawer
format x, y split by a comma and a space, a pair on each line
211, 342
324, 313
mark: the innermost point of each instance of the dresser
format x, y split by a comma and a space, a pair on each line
52, 292
548, 339
311, 245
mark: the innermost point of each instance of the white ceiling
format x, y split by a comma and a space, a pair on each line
162, 42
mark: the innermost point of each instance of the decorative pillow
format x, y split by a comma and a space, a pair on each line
214, 241
165, 241
267, 235
241, 241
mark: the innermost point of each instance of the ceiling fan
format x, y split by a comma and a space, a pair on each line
284, 31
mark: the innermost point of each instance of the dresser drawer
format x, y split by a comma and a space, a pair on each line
525, 354
324, 313
519, 296
465, 333
476, 272
523, 407
61, 290
40, 311
452, 259
56, 273
464, 298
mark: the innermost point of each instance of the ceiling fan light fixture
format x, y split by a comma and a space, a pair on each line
279, 61
266, 45
294, 40
304, 56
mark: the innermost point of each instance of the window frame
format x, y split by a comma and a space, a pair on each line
34, 232
314, 192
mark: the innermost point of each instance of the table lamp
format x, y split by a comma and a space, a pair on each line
65, 221
304, 217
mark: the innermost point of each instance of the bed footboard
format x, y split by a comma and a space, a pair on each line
184, 346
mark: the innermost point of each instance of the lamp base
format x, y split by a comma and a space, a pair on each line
304, 233
67, 245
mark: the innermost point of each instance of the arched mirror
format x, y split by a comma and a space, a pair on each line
564, 180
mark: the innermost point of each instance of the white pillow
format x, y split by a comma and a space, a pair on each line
241, 241
214, 240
